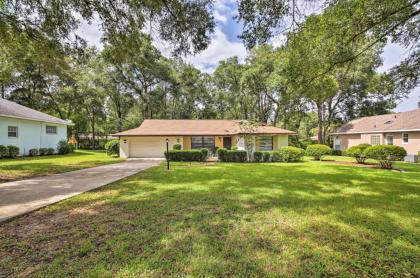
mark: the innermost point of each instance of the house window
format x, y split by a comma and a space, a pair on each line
375, 140
390, 140
337, 143
51, 129
405, 138
12, 131
198, 142
266, 143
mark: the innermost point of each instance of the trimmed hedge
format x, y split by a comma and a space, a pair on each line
266, 156
63, 147
357, 152
112, 147
3, 151
291, 154
12, 151
33, 152
177, 147
232, 155
43, 151
187, 155
258, 156
385, 154
318, 150
50, 151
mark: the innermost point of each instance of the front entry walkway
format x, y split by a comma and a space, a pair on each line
19, 197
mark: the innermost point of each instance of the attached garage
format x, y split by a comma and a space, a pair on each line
147, 147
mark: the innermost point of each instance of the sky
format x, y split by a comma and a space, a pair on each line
225, 44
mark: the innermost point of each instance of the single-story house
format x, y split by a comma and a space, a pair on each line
149, 139
27, 128
400, 129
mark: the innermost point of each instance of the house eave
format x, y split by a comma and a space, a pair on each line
376, 131
36, 120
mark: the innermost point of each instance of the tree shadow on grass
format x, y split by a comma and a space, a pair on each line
227, 220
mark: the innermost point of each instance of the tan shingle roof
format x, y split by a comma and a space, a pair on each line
14, 110
403, 121
197, 127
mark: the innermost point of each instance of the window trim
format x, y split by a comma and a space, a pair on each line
408, 138
51, 133
8, 131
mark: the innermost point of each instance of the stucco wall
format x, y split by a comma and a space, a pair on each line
144, 144
31, 134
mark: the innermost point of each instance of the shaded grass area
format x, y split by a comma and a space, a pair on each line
274, 219
24, 167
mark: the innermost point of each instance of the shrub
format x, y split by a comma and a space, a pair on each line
186, 155
33, 152
385, 154
275, 157
258, 156
12, 151
177, 147
337, 152
64, 148
318, 150
43, 151
357, 152
234, 148
221, 152
50, 151
112, 147
266, 156
3, 151
233, 155
291, 154
205, 153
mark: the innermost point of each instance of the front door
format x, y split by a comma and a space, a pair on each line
227, 142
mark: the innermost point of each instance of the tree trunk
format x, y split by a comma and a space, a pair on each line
93, 133
320, 123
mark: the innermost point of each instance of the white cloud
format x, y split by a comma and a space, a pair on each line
91, 32
219, 49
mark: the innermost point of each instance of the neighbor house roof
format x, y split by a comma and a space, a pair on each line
13, 110
404, 121
199, 127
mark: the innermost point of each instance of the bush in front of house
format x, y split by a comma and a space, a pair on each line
3, 151
33, 152
385, 154
186, 155
63, 147
50, 151
12, 151
275, 156
291, 154
205, 153
318, 150
232, 155
258, 156
43, 151
266, 156
221, 152
112, 147
177, 147
358, 152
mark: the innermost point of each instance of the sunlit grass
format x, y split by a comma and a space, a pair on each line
298, 219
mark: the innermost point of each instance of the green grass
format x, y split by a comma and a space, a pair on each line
297, 219
24, 167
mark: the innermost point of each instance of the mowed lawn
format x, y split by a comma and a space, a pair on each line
298, 219
24, 167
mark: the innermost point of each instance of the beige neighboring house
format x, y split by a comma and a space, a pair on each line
400, 129
149, 139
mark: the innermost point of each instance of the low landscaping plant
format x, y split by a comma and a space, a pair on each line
266, 156
50, 151
318, 150
233, 156
205, 153
291, 154
112, 148
386, 154
3, 151
358, 152
221, 152
64, 148
12, 151
275, 157
186, 155
33, 152
258, 156
43, 151
177, 146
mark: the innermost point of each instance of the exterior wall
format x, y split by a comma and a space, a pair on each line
240, 143
350, 140
31, 134
218, 141
187, 143
282, 141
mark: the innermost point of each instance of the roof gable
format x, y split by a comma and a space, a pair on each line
403, 121
197, 127
13, 110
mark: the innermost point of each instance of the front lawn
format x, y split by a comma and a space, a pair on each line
298, 219
24, 167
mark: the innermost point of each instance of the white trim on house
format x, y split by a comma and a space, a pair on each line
37, 120
376, 131
402, 138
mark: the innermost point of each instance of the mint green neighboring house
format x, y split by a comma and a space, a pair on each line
27, 128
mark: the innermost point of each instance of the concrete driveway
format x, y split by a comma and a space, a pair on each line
19, 197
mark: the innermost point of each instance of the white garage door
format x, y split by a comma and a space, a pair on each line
151, 146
